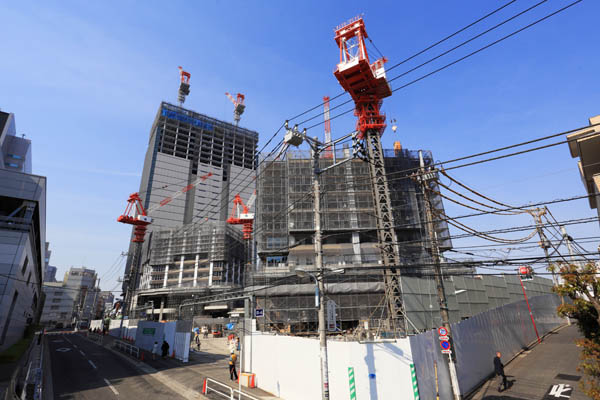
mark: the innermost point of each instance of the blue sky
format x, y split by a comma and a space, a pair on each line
85, 81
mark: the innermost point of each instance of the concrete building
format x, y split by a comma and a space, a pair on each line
104, 303
59, 305
284, 232
585, 144
80, 283
50, 272
73, 299
205, 253
22, 235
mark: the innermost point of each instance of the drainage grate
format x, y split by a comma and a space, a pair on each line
568, 377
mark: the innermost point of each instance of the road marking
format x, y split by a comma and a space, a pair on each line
92, 364
82, 353
63, 349
57, 341
75, 345
111, 387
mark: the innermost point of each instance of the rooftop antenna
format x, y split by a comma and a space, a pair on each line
184, 86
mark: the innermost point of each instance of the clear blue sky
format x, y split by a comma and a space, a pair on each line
85, 82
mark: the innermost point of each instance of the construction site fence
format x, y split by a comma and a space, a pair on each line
507, 329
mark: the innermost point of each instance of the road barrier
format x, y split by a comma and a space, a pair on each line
232, 393
94, 337
127, 348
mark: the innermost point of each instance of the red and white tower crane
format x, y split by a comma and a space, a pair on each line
367, 84
184, 86
238, 106
135, 214
241, 215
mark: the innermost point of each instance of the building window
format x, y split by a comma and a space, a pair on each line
24, 268
12, 165
54, 307
56, 300
15, 156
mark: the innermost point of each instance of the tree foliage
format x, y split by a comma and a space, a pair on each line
581, 284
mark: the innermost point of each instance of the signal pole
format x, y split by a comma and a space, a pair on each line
423, 177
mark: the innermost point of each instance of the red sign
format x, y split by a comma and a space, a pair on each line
442, 331
445, 345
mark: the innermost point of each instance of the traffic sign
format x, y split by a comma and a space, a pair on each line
443, 338
442, 331
259, 312
445, 345
447, 351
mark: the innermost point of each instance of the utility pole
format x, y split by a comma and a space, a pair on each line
423, 177
295, 138
544, 243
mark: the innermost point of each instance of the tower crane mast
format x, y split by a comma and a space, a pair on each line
367, 85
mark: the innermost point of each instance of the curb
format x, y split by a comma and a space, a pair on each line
177, 387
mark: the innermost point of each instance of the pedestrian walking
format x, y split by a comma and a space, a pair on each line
165, 349
154, 350
198, 345
499, 370
232, 371
197, 338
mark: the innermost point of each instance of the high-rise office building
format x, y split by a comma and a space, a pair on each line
185, 146
22, 234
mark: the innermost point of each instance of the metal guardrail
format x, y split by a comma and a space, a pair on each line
130, 349
94, 337
233, 393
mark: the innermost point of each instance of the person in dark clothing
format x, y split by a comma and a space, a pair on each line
165, 349
499, 370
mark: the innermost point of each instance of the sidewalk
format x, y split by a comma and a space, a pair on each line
203, 364
534, 373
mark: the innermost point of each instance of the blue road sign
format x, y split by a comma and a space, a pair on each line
445, 344
259, 312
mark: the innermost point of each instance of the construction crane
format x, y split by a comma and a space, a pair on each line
184, 86
367, 85
135, 214
238, 106
245, 217
328, 152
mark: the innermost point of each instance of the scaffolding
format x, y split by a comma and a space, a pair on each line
284, 237
180, 264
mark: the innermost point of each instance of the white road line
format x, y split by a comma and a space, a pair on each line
82, 353
75, 345
111, 387
92, 364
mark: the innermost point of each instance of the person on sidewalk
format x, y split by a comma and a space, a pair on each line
154, 350
232, 371
165, 349
499, 369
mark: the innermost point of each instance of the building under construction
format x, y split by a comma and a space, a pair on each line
194, 167
285, 228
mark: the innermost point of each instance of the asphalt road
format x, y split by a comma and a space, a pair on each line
84, 370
